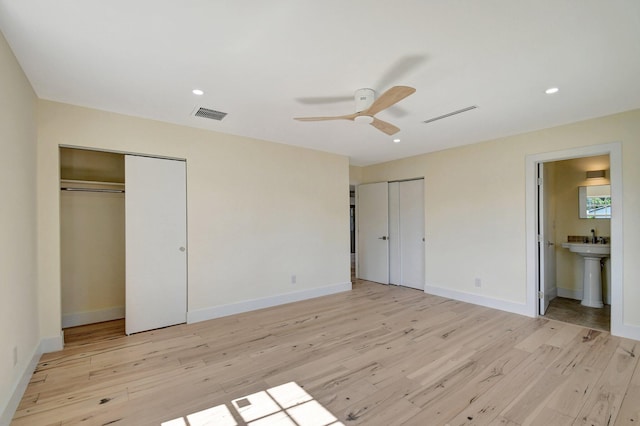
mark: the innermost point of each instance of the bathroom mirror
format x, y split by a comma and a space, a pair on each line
595, 201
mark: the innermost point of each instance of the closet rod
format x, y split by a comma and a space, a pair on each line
114, 191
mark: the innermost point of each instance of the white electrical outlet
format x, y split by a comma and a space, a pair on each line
293, 279
478, 282
15, 356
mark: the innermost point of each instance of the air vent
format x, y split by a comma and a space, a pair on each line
451, 113
210, 113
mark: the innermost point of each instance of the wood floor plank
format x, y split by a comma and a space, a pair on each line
630, 410
606, 398
378, 355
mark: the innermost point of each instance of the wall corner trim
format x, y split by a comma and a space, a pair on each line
265, 302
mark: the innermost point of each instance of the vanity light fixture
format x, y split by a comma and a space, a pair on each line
197, 92
596, 174
551, 90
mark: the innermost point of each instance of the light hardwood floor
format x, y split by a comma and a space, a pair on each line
378, 355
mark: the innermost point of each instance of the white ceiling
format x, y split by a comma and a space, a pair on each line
267, 61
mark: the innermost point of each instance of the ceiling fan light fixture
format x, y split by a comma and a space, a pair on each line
368, 115
363, 119
364, 98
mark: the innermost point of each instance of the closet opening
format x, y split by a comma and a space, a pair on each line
92, 240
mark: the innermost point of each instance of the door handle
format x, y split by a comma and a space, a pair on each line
182, 249
549, 243
384, 237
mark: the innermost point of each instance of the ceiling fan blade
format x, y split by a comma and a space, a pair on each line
401, 68
385, 127
336, 117
388, 98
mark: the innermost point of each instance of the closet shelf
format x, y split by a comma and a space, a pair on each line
89, 182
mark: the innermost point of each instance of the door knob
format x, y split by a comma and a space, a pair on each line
182, 249
549, 243
384, 237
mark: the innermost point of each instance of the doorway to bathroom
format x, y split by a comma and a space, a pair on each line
577, 271
566, 297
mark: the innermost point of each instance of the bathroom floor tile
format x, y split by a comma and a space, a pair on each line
571, 311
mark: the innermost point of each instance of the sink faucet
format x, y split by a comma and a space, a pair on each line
593, 236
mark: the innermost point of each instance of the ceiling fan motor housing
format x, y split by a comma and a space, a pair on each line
364, 98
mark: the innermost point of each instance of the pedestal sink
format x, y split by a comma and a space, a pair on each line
592, 282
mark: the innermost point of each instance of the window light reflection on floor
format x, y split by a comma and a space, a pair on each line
283, 405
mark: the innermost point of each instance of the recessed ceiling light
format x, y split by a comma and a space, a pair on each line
551, 90
396, 140
198, 92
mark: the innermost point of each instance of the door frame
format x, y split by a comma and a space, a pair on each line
614, 150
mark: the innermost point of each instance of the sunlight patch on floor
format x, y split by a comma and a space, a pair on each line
283, 405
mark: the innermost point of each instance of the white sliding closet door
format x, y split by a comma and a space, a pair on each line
373, 232
156, 225
395, 259
412, 233
406, 233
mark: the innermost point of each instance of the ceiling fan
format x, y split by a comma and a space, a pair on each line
367, 108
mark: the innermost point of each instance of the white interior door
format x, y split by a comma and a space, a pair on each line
411, 199
546, 239
156, 265
373, 232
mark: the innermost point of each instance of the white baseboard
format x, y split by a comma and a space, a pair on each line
489, 302
265, 302
91, 317
10, 405
52, 344
570, 294
627, 331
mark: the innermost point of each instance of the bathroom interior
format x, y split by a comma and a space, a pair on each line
582, 281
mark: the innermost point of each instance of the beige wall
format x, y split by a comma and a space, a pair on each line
257, 212
475, 207
355, 175
18, 298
